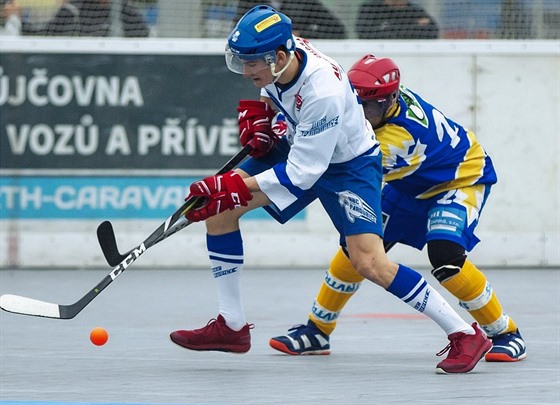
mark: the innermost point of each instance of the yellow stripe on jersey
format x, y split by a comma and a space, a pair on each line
471, 198
469, 171
426, 154
395, 143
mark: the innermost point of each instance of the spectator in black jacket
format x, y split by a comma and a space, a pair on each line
310, 18
394, 19
92, 18
515, 20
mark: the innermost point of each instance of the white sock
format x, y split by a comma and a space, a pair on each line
414, 290
439, 310
226, 259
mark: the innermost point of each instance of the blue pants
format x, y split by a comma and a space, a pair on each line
350, 192
449, 216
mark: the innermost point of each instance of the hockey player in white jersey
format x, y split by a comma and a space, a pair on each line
438, 179
324, 149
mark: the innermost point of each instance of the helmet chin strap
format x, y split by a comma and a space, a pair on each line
277, 75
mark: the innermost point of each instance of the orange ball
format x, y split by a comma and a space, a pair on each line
98, 336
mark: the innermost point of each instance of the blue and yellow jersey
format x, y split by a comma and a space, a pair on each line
425, 153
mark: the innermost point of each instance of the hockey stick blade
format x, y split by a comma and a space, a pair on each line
106, 234
28, 306
108, 243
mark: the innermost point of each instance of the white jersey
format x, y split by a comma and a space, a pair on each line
326, 125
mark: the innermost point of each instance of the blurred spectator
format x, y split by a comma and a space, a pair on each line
9, 17
310, 18
516, 22
218, 18
394, 19
93, 18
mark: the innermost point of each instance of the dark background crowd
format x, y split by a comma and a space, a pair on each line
313, 19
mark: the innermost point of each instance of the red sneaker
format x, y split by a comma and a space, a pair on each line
216, 335
464, 351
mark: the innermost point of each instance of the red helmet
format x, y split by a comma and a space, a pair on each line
375, 78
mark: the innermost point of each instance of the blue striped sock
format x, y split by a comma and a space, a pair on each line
225, 251
407, 285
226, 258
412, 288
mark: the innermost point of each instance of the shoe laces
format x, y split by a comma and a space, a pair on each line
298, 329
452, 347
213, 325
211, 328
305, 329
506, 338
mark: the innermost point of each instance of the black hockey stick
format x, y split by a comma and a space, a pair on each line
28, 306
106, 233
108, 242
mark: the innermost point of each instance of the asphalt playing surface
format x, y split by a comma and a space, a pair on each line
383, 352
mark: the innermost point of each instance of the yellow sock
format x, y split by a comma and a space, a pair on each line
476, 295
340, 283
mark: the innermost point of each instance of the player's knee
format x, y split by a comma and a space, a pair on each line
446, 257
369, 259
342, 270
379, 270
227, 221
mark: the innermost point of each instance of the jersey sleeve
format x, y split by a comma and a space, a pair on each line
313, 146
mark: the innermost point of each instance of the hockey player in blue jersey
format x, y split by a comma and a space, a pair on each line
438, 178
324, 149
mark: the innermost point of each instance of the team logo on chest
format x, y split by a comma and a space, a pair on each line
299, 102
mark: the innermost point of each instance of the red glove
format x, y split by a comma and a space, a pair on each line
255, 129
219, 193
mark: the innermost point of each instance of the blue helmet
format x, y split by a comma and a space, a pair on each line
257, 35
